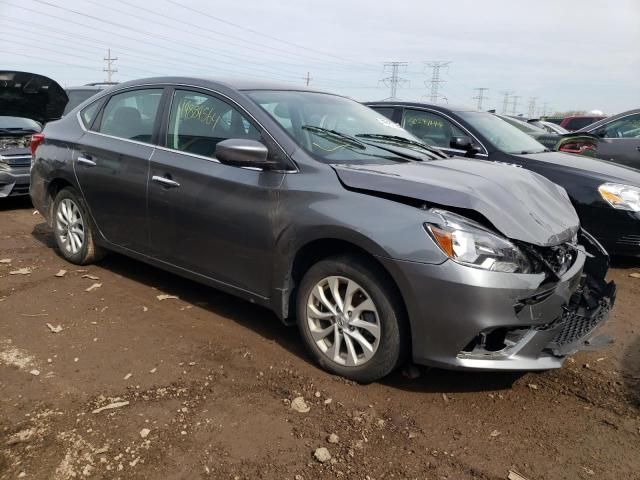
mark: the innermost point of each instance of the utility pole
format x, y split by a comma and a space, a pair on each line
435, 82
514, 104
307, 79
394, 80
532, 106
505, 101
110, 70
481, 96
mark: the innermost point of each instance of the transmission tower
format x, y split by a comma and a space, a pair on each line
394, 80
481, 96
514, 103
532, 106
435, 82
505, 101
110, 70
307, 79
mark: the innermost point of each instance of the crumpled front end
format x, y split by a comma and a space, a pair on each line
465, 318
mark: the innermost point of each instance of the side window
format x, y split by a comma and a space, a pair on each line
89, 113
628, 127
131, 114
431, 128
386, 111
198, 122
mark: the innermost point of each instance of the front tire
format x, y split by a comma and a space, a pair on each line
351, 319
73, 230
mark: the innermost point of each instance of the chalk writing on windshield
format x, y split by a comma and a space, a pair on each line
202, 113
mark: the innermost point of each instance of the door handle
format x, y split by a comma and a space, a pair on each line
167, 182
86, 161
638, 148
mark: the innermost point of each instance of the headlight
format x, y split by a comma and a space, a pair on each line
622, 197
469, 243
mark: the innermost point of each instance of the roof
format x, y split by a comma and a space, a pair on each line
436, 106
229, 82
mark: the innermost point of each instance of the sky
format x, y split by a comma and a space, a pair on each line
566, 54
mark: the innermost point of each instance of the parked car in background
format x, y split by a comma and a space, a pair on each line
619, 138
580, 144
27, 101
548, 126
77, 95
577, 122
331, 215
605, 195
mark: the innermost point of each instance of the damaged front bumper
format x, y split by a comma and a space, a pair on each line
466, 318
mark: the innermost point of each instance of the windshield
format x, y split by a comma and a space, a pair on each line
76, 97
333, 128
502, 135
19, 123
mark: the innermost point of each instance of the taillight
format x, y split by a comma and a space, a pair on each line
580, 148
36, 140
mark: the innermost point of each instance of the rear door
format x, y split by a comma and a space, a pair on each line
621, 140
112, 165
204, 216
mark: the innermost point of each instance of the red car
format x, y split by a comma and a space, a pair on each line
579, 121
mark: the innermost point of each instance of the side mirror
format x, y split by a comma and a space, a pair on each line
464, 143
243, 153
601, 133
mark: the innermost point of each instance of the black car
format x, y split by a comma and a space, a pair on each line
605, 195
569, 142
315, 206
619, 138
79, 94
27, 101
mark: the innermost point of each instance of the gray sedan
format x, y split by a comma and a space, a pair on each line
378, 247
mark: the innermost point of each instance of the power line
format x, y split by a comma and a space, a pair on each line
393, 81
208, 15
435, 78
307, 79
481, 96
110, 70
514, 103
532, 107
505, 100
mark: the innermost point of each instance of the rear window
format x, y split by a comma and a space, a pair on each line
578, 123
76, 97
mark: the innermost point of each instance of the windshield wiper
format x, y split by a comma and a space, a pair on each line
334, 133
401, 140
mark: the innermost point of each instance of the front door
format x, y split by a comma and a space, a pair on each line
206, 217
112, 165
621, 141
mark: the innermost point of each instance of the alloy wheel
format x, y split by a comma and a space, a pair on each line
70, 226
343, 321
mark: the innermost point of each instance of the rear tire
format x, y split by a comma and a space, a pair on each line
73, 229
358, 332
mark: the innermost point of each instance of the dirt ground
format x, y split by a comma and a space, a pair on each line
203, 385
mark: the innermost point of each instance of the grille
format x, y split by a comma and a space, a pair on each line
577, 326
16, 160
631, 240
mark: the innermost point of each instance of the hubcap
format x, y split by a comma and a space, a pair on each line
343, 321
70, 226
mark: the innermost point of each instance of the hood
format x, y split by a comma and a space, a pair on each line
521, 204
29, 95
589, 167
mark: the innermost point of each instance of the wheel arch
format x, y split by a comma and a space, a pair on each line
317, 249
